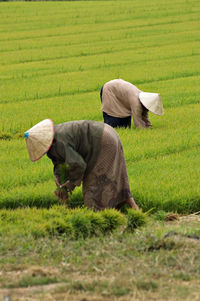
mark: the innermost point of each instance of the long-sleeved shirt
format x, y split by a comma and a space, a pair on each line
121, 99
76, 143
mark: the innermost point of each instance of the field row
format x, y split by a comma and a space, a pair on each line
79, 13
91, 58
167, 183
54, 61
102, 45
106, 33
175, 92
74, 224
158, 167
87, 81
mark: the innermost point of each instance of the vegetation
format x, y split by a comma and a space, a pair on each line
54, 68
55, 57
73, 224
157, 262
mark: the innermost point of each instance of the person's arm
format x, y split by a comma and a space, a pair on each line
137, 110
77, 165
66, 154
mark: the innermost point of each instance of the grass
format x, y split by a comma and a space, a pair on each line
158, 171
72, 223
55, 56
149, 264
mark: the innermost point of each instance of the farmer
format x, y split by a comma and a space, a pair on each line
94, 155
121, 100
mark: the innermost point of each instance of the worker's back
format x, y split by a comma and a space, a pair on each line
120, 98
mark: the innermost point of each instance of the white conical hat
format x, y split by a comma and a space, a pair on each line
39, 139
152, 101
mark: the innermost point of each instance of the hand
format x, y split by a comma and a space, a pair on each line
69, 185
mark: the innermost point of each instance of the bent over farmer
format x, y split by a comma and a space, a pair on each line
93, 154
121, 100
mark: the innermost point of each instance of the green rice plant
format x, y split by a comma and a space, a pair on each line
112, 219
59, 226
33, 195
54, 59
139, 38
5, 136
63, 176
63, 172
54, 68
150, 155
75, 200
136, 219
98, 222
81, 224
37, 88
160, 215
59, 221
172, 174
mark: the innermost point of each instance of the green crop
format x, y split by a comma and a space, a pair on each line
74, 223
54, 59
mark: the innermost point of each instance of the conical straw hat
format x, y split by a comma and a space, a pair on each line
39, 139
152, 101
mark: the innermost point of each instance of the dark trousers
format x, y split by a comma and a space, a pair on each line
115, 121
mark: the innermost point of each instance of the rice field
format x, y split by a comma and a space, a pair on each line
54, 59
55, 56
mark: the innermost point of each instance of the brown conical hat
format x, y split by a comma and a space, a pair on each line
39, 139
152, 101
